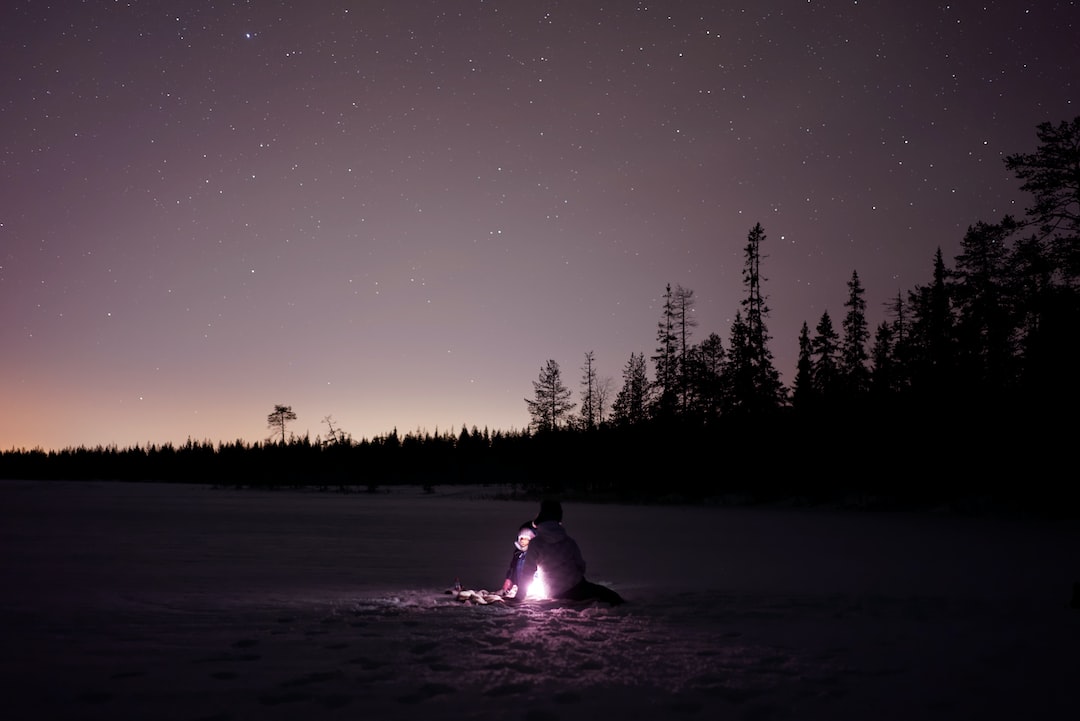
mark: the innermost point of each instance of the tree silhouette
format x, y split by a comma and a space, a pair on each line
802, 388
685, 322
705, 379
632, 401
666, 359
1052, 175
335, 436
590, 393
825, 355
981, 359
983, 291
551, 403
279, 417
1046, 264
853, 354
883, 377
603, 399
757, 380
898, 346
932, 361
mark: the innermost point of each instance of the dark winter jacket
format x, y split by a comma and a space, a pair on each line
558, 555
516, 562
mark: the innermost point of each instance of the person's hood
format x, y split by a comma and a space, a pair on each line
527, 530
551, 532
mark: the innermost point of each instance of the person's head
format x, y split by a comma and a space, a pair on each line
550, 510
524, 535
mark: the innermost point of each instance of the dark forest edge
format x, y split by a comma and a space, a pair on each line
964, 400
893, 462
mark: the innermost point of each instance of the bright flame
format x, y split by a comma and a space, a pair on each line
538, 588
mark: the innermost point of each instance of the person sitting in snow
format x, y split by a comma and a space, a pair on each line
517, 560
559, 559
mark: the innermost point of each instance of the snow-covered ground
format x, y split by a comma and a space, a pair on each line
150, 601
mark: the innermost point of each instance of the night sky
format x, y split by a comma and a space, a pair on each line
394, 215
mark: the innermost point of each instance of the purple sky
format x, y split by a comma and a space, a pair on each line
394, 216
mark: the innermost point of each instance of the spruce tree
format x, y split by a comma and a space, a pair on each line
632, 401
825, 353
705, 370
853, 353
983, 292
685, 322
802, 389
883, 376
764, 387
551, 403
933, 341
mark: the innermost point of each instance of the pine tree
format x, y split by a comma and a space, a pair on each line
884, 383
632, 401
666, 359
802, 391
825, 352
853, 354
1046, 265
1052, 175
705, 370
685, 322
932, 361
739, 370
551, 404
1046, 321
901, 347
983, 291
279, 417
758, 378
590, 393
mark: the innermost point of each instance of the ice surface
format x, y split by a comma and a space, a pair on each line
140, 601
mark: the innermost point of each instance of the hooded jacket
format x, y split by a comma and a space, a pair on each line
517, 560
557, 555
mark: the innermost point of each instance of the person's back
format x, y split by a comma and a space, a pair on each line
557, 555
560, 561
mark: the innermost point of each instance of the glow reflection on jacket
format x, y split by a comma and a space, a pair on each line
558, 555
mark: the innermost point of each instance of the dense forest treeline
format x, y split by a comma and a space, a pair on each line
966, 395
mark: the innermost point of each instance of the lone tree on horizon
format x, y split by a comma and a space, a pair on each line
278, 419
